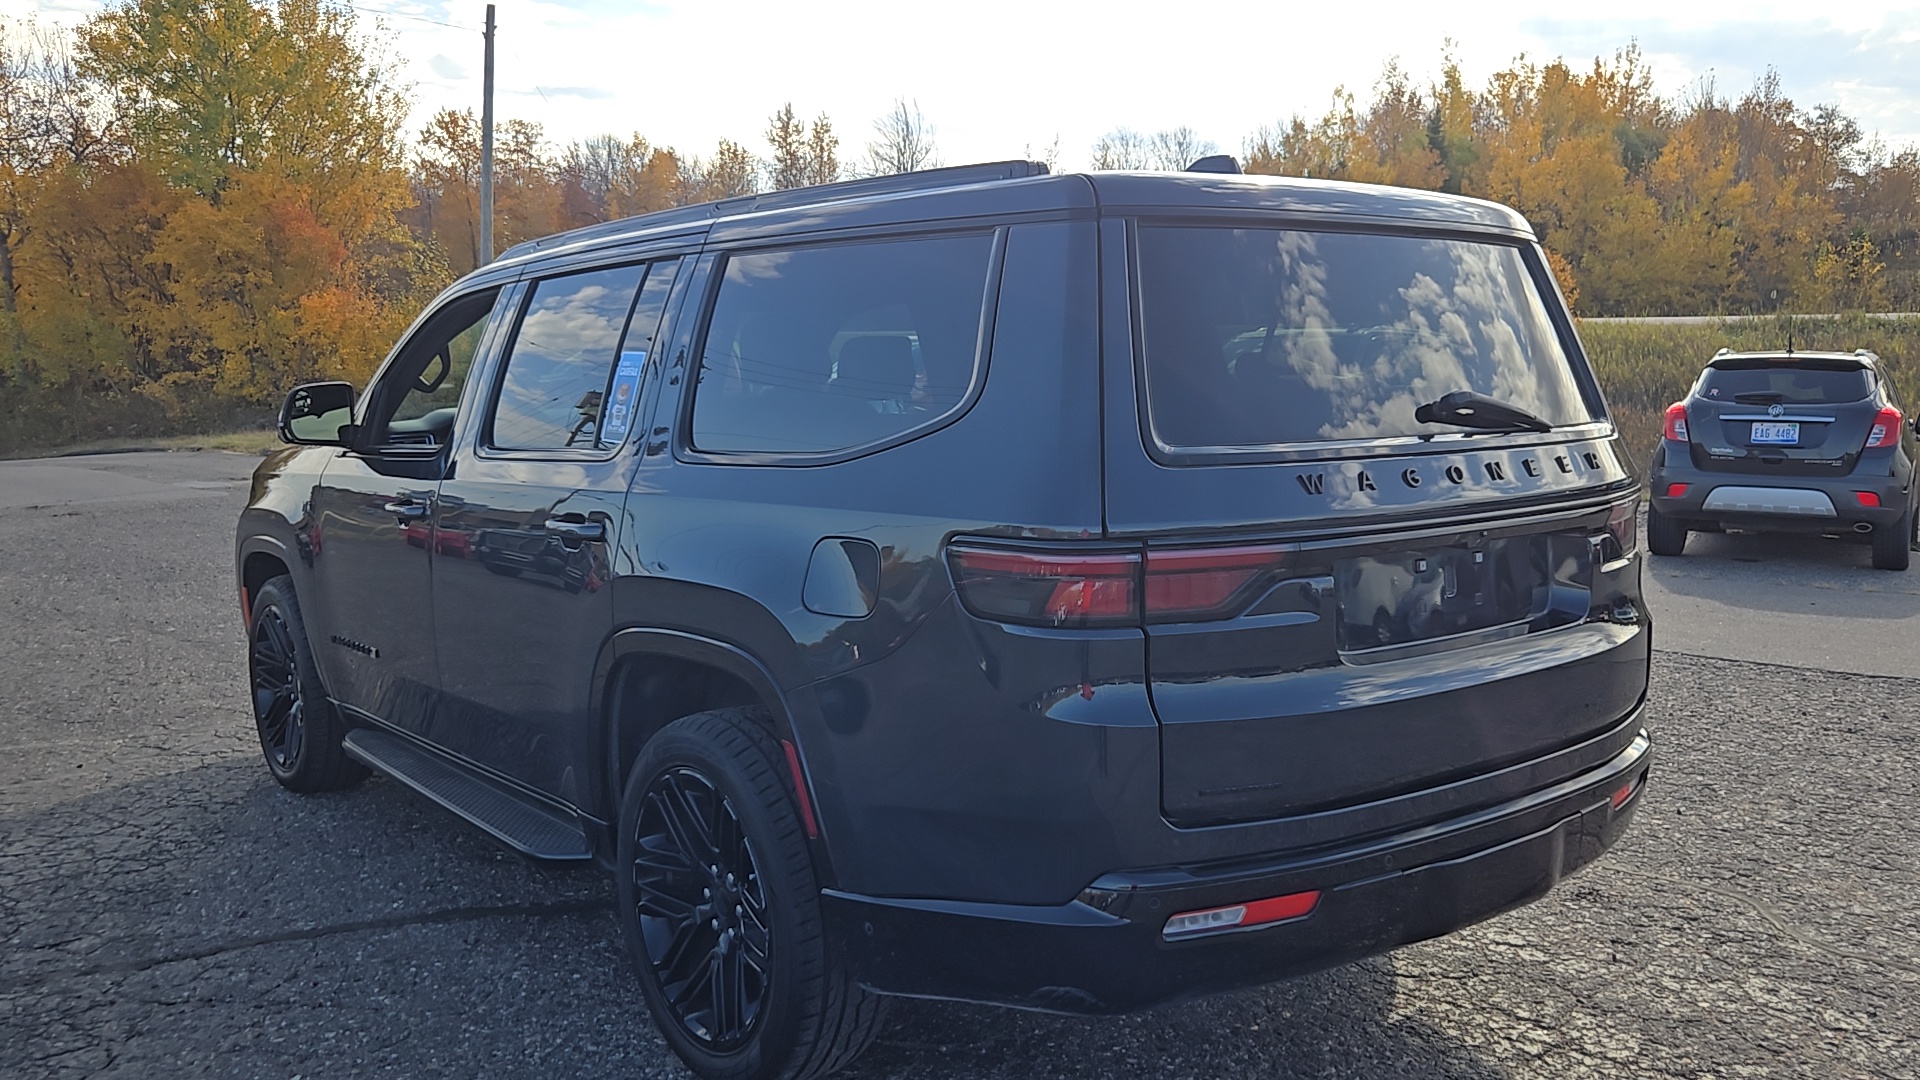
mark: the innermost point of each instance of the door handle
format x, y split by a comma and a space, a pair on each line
406, 509
576, 532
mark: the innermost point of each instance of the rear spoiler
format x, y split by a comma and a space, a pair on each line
1725, 360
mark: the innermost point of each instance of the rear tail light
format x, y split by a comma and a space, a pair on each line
1202, 583
1068, 590
1077, 590
1242, 916
1675, 491
1868, 499
1623, 533
1886, 429
1677, 421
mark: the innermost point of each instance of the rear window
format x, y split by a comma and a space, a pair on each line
1771, 382
1258, 337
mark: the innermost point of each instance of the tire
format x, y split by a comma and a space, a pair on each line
1665, 535
1893, 546
300, 733
711, 790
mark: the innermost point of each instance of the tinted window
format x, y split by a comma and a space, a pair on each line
1773, 382
1264, 336
556, 378
623, 394
821, 349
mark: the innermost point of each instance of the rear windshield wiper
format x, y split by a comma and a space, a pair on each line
1464, 408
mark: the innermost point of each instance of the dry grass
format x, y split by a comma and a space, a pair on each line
1644, 367
253, 441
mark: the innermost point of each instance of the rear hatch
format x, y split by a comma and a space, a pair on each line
1781, 415
1345, 603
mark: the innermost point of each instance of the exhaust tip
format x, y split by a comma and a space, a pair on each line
1863, 527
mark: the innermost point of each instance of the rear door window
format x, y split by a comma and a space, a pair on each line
1773, 382
1264, 337
823, 349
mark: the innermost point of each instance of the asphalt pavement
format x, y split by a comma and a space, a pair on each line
167, 910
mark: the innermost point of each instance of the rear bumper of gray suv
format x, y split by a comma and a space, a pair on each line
1809, 504
1107, 951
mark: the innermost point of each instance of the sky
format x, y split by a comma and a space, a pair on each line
1002, 79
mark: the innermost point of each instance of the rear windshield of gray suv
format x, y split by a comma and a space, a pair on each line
1768, 382
1260, 337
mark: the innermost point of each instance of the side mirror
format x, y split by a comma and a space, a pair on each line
318, 414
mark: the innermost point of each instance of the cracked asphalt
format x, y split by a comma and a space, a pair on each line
167, 910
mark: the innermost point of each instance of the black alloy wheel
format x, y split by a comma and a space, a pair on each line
702, 909
300, 733
719, 904
277, 708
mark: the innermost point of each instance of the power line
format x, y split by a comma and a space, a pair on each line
357, 9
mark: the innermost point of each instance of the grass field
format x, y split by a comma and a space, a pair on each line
1644, 367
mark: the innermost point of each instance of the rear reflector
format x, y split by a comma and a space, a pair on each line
1675, 491
1676, 427
1242, 916
1867, 499
1886, 429
1626, 792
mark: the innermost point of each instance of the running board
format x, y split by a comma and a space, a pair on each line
519, 821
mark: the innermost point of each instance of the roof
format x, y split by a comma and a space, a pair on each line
1025, 187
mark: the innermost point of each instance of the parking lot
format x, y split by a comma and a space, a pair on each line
167, 910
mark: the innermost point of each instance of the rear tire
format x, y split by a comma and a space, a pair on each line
1665, 535
721, 910
300, 733
1893, 546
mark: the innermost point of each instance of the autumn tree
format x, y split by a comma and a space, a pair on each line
802, 154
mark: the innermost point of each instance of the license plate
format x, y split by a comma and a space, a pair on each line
1776, 434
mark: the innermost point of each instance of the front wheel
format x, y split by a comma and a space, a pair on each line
721, 911
300, 733
1893, 546
1665, 535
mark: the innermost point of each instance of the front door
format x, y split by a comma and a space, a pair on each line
372, 591
526, 520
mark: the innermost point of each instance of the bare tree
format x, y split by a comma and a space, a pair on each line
1176, 148
729, 172
1122, 148
1050, 157
903, 142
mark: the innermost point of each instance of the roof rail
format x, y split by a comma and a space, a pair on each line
924, 180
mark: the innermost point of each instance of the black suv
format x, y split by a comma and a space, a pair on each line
1071, 592
1809, 442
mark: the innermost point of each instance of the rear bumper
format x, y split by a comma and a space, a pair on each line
1104, 953
1813, 504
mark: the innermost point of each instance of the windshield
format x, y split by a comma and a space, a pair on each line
1258, 337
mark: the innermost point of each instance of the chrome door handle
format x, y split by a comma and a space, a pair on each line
576, 532
406, 509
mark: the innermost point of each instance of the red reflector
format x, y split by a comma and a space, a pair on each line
1867, 498
800, 790
1199, 582
1676, 426
1622, 528
1886, 429
1242, 916
246, 608
1625, 793
1675, 491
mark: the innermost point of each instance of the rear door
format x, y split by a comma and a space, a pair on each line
1344, 604
1781, 416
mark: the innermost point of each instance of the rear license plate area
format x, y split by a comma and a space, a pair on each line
1775, 433
1406, 597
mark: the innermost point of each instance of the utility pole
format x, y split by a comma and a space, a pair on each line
486, 150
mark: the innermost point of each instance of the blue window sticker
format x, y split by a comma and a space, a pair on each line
617, 417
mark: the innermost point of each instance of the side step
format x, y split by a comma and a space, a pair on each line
519, 821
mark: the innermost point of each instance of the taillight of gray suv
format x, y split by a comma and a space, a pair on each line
1069, 592
1810, 442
